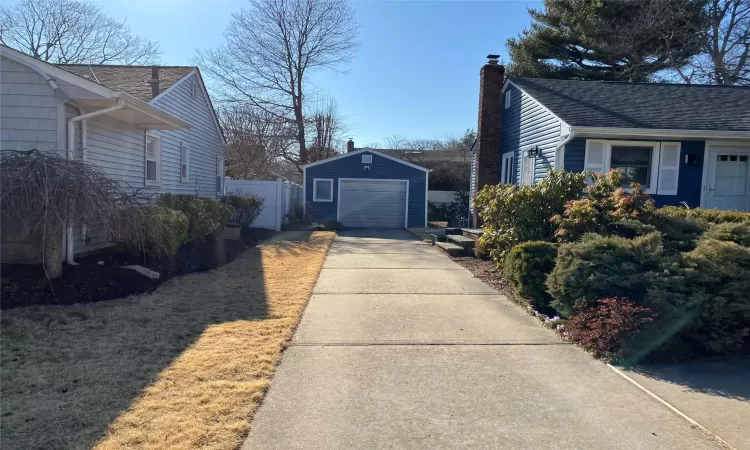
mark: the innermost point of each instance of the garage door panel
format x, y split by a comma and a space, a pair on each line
380, 204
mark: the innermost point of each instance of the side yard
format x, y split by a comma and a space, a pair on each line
182, 367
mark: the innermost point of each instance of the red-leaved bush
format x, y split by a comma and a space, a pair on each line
605, 327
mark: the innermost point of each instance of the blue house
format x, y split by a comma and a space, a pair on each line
684, 143
366, 188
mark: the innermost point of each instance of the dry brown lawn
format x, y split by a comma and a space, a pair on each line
183, 367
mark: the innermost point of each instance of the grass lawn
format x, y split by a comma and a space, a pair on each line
183, 367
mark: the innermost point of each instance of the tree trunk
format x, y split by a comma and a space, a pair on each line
52, 253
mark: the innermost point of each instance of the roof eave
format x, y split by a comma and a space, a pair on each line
362, 150
617, 132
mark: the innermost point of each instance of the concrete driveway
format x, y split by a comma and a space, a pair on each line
400, 347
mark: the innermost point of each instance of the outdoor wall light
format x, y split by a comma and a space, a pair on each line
533, 152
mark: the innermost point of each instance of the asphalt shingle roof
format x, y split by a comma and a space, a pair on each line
642, 105
132, 80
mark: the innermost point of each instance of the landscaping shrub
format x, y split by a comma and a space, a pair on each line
161, 231
204, 214
480, 250
601, 267
708, 215
703, 298
607, 326
246, 207
606, 209
739, 233
527, 266
512, 214
327, 226
680, 234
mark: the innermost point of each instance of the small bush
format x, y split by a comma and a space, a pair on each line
708, 215
480, 250
680, 234
739, 233
527, 266
601, 267
606, 326
204, 214
163, 232
512, 214
246, 207
327, 226
606, 209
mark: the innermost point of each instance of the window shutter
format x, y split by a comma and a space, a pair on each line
669, 168
594, 159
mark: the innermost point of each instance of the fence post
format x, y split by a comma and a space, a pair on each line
277, 224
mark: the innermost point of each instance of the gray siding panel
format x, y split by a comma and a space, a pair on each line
28, 110
526, 124
203, 140
380, 169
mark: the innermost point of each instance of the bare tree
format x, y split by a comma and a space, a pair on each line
327, 131
271, 48
725, 43
257, 141
72, 32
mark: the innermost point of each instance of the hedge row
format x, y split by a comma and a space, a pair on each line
631, 280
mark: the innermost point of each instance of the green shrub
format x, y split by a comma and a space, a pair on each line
204, 214
600, 267
327, 226
512, 214
680, 234
246, 207
708, 215
480, 250
162, 231
607, 326
703, 301
527, 266
739, 233
606, 209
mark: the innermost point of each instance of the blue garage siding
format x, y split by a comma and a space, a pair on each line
380, 169
526, 124
688, 186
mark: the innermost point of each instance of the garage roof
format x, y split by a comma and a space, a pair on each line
366, 150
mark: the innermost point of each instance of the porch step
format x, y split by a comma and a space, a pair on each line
452, 231
465, 242
474, 233
451, 249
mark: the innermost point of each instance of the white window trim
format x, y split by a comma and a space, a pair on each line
507, 158
157, 159
185, 150
524, 161
507, 98
315, 190
656, 145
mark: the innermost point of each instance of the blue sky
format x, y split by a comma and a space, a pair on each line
416, 73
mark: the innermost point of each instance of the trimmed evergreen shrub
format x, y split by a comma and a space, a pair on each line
246, 207
708, 215
739, 233
527, 266
680, 234
512, 214
204, 214
163, 232
606, 326
600, 267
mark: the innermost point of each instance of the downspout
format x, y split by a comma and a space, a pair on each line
562, 144
70, 156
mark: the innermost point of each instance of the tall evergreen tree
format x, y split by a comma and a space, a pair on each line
618, 40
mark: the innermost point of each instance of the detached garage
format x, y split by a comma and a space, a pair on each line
368, 189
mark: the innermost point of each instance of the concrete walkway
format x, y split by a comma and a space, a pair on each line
402, 348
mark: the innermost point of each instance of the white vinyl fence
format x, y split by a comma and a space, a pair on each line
442, 196
280, 198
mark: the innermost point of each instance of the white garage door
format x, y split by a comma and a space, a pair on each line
372, 203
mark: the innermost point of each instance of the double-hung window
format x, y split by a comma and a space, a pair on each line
153, 160
184, 162
507, 169
322, 190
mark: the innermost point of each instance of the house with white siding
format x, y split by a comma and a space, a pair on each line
151, 127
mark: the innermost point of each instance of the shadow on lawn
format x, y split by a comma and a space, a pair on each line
70, 371
727, 379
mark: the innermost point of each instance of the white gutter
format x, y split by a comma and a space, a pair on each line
70, 157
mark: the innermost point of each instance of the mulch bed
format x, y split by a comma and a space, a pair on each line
485, 270
98, 276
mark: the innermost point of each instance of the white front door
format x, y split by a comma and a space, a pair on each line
728, 178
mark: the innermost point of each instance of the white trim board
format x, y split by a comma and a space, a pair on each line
363, 150
406, 211
505, 86
706, 154
315, 190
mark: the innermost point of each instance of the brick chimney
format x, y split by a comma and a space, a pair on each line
154, 82
489, 127
350, 146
